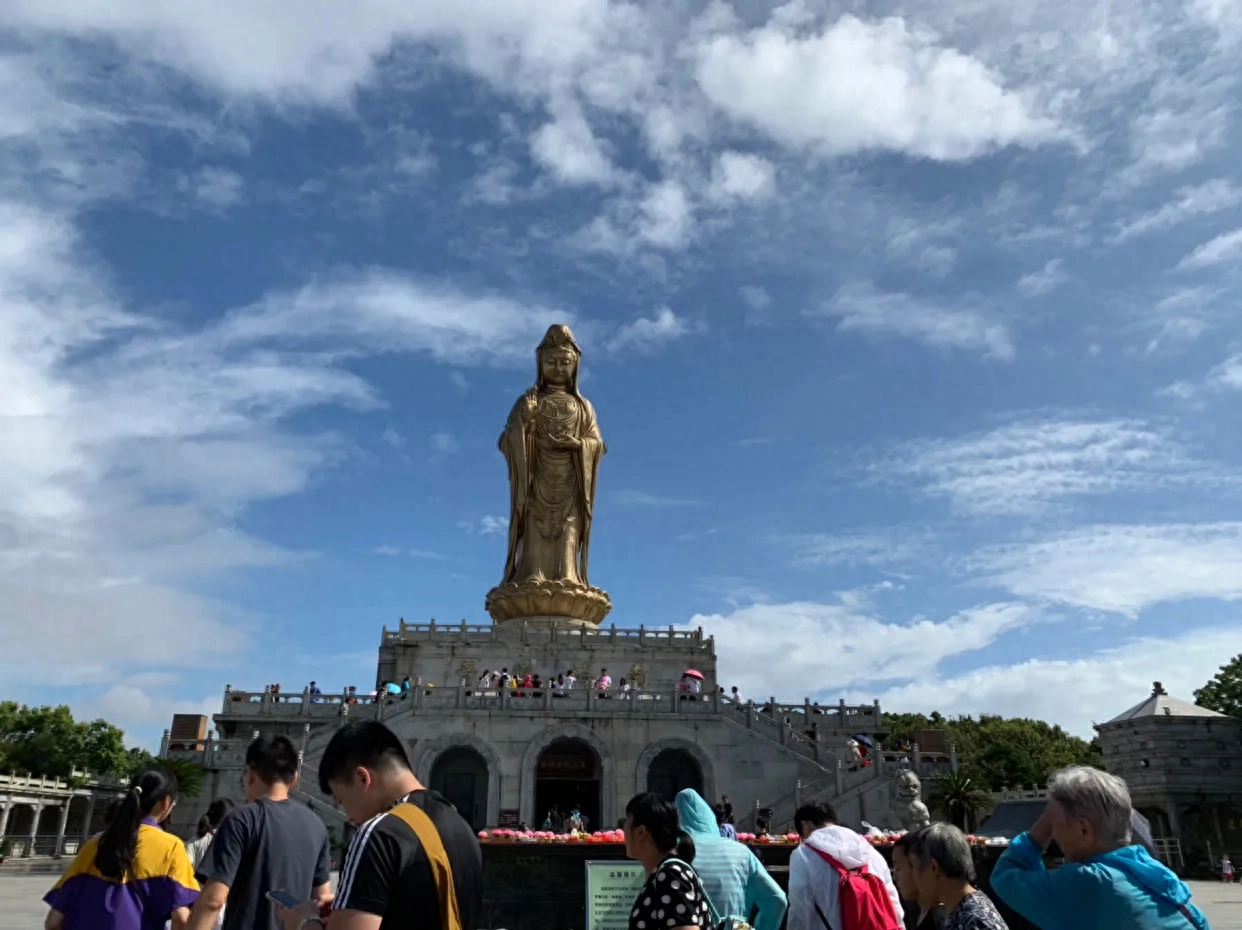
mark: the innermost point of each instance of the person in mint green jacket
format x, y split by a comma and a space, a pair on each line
1106, 881
735, 880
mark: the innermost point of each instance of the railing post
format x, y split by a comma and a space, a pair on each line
953, 758
879, 761
209, 752
504, 695
524, 631
840, 779
164, 744
459, 700
841, 715
612, 633
750, 715
642, 634
547, 698
432, 628
798, 794
306, 701
806, 710
918, 759
784, 729
673, 703
590, 698
878, 718
464, 634
699, 638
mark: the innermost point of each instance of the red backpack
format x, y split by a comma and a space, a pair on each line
862, 898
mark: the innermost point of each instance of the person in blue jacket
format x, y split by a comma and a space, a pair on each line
1106, 881
734, 879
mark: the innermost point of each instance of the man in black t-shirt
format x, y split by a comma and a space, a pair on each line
272, 843
406, 837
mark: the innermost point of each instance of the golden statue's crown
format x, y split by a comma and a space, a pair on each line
559, 336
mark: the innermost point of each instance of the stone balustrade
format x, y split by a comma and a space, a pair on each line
524, 633
921, 763
77, 781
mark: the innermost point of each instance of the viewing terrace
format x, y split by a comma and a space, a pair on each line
525, 633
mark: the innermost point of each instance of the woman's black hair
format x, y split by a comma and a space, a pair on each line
663, 824
117, 844
210, 821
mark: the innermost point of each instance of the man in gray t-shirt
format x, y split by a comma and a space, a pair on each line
272, 843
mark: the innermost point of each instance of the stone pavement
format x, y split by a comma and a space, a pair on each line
22, 908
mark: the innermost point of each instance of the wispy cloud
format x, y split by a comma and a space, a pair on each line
650, 334
629, 498
1120, 568
1043, 281
1187, 203
1227, 376
1224, 248
879, 548
487, 525
392, 438
443, 443
863, 308
1033, 465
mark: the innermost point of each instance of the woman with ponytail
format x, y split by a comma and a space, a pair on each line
672, 897
133, 876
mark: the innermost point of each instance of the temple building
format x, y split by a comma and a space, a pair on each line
507, 756
1183, 764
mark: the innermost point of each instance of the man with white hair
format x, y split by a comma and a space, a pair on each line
1106, 882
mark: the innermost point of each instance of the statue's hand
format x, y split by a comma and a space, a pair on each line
530, 403
568, 442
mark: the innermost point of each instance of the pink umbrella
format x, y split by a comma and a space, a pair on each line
693, 673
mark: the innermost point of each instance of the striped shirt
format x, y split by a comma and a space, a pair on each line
387, 873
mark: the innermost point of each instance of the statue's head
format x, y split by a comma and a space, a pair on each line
557, 358
906, 785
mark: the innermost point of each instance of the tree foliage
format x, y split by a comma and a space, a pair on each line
48, 741
1223, 693
960, 797
1000, 752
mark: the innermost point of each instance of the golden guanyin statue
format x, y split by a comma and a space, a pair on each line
553, 447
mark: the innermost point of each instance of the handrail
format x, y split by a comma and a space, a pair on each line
488, 632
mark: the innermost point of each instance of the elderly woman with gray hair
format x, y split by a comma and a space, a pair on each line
944, 871
1107, 881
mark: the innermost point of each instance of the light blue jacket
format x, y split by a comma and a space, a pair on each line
1122, 890
734, 879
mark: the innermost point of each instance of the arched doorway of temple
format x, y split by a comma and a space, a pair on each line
567, 776
674, 770
460, 774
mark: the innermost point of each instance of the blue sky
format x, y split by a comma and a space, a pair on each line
911, 329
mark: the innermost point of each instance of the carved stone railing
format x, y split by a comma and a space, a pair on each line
78, 781
585, 636
921, 763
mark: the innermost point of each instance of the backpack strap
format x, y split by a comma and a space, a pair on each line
417, 820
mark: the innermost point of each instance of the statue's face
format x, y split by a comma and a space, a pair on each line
557, 366
907, 785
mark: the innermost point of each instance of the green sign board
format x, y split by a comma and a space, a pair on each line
611, 887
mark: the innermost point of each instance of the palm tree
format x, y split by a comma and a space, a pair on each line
961, 798
189, 775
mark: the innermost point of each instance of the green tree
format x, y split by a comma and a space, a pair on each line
189, 774
961, 798
48, 741
1223, 693
997, 751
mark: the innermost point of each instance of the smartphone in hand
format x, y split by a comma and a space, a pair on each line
284, 898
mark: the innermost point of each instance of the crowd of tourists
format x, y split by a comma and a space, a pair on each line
413, 862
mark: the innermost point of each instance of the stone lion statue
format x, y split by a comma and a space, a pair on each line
907, 807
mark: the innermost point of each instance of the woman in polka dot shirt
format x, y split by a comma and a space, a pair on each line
672, 897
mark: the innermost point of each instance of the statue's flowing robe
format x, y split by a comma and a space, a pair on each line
539, 500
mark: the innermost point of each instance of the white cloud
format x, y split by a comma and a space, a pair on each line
1029, 466
762, 647
1044, 281
874, 549
665, 216
862, 308
740, 176
567, 147
493, 526
629, 498
425, 554
382, 311
923, 243
1187, 203
217, 188
1227, 376
1224, 248
443, 443
392, 438
759, 305
387, 550
857, 86
650, 334
1120, 568
1073, 692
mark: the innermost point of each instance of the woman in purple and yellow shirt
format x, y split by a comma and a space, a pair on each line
133, 876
